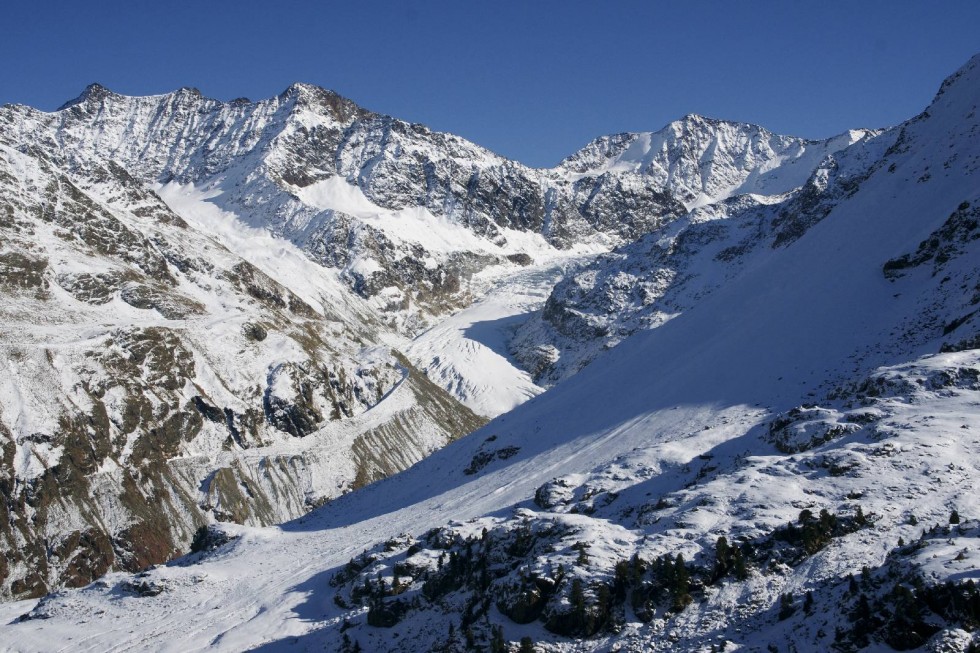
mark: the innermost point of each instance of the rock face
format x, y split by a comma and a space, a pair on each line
154, 381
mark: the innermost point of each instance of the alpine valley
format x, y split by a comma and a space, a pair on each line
290, 375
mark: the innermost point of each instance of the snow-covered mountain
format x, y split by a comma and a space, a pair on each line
199, 298
407, 214
655, 278
779, 453
159, 374
701, 160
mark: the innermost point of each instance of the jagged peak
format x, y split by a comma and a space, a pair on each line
296, 89
611, 145
308, 95
695, 121
305, 90
698, 119
94, 92
188, 91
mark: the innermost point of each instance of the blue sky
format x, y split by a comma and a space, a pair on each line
532, 80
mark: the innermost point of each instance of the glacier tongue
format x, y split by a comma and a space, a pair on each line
467, 353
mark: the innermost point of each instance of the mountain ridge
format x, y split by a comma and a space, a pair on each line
265, 159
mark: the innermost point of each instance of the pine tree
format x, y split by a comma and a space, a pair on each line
682, 580
741, 568
576, 597
723, 557
786, 608
636, 569
497, 642
859, 517
954, 517
680, 583
603, 604
620, 580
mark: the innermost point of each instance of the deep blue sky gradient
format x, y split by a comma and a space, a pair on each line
532, 80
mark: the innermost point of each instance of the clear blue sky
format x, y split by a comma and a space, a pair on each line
533, 80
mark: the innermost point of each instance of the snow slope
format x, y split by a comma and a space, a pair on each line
809, 381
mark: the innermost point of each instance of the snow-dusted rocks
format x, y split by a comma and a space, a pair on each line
154, 380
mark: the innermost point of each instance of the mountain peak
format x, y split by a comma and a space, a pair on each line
696, 118
297, 89
311, 96
189, 91
698, 121
94, 92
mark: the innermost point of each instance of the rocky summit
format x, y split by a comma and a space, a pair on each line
243, 343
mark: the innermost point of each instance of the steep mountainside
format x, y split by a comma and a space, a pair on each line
654, 279
154, 380
788, 463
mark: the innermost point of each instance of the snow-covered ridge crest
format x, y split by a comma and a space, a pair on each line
703, 160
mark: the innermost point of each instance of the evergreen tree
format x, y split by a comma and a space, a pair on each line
786, 608
682, 580
497, 642
954, 517
739, 564
576, 597
680, 584
723, 557
603, 603
859, 517
621, 575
